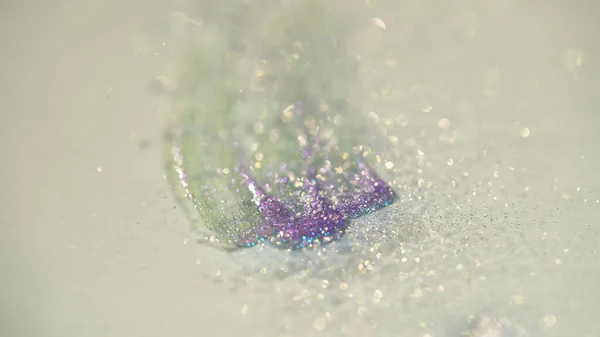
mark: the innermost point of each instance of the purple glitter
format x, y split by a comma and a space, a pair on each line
323, 216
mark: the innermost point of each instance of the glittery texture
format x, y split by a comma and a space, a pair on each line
290, 205
323, 214
322, 220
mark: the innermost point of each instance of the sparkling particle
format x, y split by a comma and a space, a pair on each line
362, 311
417, 293
343, 286
402, 120
320, 323
518, 299
377, 22
244, 310
450, 162
99, 169
525, 132
444, 124
549, 321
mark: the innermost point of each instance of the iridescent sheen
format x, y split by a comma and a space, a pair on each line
322, 215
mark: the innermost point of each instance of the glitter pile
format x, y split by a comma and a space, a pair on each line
293, 211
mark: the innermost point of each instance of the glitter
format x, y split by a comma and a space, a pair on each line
303, 209
337, 120
343, 286
402, 120
549, 321
459, 266
259, 128
444, 124
244, 310
320, 323
416, 293
377, 22
389, 165
518, 299
525, 132
99, 169
558, 261
450, 162
374, 116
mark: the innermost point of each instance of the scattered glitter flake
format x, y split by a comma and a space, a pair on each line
518, 299
374, 116
377, 22
343, 286
450, 162
325, 284
320, 323
198, 261
459, 266
389, 165
417, 293
244, 310
378, 294
549, 321
362, 310
525, 132
99, 169
558, 261
444, 124
263, 271
402, 120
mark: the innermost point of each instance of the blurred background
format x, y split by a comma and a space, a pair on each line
482, 113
